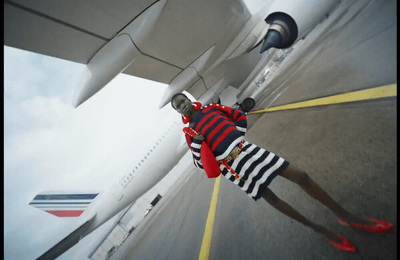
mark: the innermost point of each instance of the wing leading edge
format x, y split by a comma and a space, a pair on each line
68, 242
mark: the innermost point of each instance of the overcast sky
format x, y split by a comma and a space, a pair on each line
49, 145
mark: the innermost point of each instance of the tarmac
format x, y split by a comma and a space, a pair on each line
348, 149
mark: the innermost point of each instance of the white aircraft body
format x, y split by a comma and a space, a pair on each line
211, 49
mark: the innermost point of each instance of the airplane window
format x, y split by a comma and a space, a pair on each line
148, 153
136, 167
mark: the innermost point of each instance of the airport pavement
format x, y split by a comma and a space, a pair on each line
348, 149
352, 155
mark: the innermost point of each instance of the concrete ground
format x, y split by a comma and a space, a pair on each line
348, 149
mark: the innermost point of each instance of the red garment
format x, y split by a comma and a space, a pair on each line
209, 163
223, 129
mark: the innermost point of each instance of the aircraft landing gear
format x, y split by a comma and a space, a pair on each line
247, 105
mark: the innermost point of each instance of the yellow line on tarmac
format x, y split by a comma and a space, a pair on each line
206, 245
374, 93
366, 94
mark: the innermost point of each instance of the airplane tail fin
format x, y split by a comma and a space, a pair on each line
63, 204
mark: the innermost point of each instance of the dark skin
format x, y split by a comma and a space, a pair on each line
184, 106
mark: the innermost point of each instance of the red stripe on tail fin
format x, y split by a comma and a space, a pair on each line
65, 213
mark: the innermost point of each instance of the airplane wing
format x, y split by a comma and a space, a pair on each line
208, 48
77, 30
197, 46
65, 204
67, 242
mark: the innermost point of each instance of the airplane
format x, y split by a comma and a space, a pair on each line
96, 208
213, 50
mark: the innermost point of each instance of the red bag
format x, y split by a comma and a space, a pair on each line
210, 164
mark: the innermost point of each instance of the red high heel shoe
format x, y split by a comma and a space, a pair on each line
344, 246
379, 227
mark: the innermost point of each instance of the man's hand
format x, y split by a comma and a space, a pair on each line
199, 137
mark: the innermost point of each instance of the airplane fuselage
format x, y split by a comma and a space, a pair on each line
156, 163
165, 42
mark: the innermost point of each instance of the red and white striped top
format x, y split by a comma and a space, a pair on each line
223, 129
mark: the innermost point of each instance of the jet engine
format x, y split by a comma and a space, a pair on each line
282, 32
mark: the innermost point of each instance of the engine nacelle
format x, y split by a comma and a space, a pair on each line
291, 20
282, 32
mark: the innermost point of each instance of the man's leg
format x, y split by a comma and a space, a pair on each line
314, 190
286, 209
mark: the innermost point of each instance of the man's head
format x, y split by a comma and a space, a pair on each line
181, 103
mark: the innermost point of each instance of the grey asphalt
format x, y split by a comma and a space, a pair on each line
348, 149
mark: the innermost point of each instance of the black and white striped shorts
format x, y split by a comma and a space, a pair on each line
256, 167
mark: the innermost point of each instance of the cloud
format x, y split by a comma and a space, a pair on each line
49, 145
